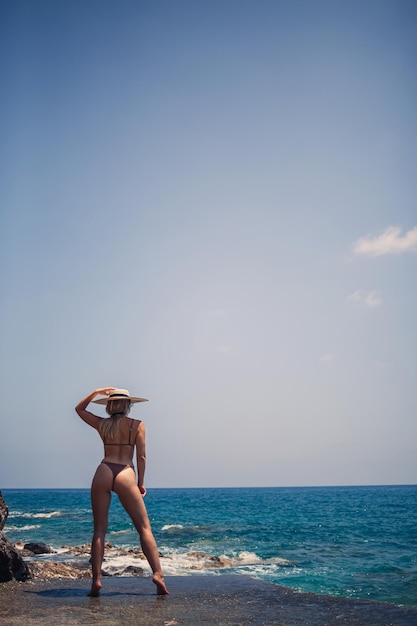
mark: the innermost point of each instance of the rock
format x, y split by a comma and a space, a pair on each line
38, 548
4, 512
85, 548
132, 570
23, 552
210, 561
49, 569
11, 563
78, 550
136, 553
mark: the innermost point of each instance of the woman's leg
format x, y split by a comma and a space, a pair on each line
126, 488
100, 500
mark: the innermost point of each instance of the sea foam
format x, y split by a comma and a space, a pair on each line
42, 515
22, 528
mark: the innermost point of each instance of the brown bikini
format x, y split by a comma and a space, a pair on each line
116, 468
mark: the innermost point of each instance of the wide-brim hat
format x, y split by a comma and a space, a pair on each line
120, 394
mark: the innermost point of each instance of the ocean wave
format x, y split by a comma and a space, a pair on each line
120, 532
177, 563
21, 528
42, 515
277, 560
251, 558
15, 514
179, 529
247, 557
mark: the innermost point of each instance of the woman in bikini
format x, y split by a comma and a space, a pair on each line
120, 435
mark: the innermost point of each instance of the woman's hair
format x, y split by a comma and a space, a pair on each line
121, 405
117, 409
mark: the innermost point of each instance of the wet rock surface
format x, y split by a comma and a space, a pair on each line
222, 600
38, 548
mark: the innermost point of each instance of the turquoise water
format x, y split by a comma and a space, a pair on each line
349, 541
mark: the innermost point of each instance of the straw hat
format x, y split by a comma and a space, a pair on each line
120, 394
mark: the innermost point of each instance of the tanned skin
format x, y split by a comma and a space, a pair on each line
129, 490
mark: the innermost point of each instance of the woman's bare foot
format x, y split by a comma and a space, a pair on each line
158, 579
95, 590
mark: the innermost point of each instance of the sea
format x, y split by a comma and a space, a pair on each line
358, 542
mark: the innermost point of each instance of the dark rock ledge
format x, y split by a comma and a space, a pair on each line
12, 566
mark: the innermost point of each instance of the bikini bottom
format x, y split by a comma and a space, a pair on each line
116, 468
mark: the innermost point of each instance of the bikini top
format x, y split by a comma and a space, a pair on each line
132, 445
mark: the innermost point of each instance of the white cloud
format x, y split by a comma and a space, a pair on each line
327, 357
389, 241
222, 349
356, 296
370, 299
373, 299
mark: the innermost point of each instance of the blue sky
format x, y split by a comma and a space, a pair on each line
212, 204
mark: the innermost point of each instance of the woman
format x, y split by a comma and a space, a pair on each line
120, 435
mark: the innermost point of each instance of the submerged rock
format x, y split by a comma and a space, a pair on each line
113, 570
38, 548
209, 560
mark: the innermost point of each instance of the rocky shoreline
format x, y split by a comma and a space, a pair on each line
74, 561
39, 561
13, 565
36, 560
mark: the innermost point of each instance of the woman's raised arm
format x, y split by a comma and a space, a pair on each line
86, 416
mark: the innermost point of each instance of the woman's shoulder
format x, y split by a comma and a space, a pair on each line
138, 426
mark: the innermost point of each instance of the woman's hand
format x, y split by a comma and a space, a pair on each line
104, 391
142, 489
